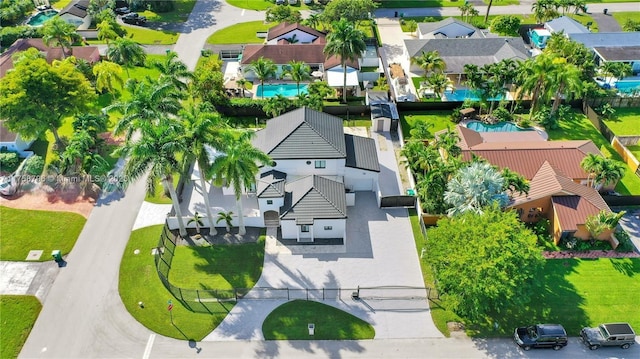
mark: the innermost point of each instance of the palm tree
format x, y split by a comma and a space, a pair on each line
618, 70
568, 83
514, 182
421, 130
277, 105
430, 62
197, 219
439, 82
263, 69
106, 31
243, 84
346, 42
150, 102
299, 71
126, 52
313, 20
486, 17
227, 217
592, 164
602, 171
237, 167
473, 188
204, 129
107, 73
447, 144
465, 10
57, 32
536, 77
156, 153
173, 70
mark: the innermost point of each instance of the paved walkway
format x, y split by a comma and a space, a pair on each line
28, 278
151, 214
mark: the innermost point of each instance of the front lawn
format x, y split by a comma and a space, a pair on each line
622, 17
290, 320
580, 128
398, 4
151, 37
179, 14
24, 230
439, 119
218, 266
18, 313
265, 4
625, 122
139, 282
241, 33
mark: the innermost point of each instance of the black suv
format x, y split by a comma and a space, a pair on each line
541, 336
134, 18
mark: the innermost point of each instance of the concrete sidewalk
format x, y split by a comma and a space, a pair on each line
28, 278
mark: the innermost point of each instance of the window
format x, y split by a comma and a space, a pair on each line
321, 164
328, 228
304, 228
269, 201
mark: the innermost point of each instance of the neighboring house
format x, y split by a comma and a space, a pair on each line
287, 42
474, 51
12, 141
76, 13
566, 25
315, 171
89, 53
613, 46
449, 28
557, 182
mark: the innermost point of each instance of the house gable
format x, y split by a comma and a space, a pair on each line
314, 197
448, 28
287, 30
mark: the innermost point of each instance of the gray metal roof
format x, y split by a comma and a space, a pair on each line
302, 133
607, 39
434, 27
314, 197
477, 51
361, 153
618, 53
271, 184
567, 25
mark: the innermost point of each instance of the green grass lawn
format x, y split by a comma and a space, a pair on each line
525, 19
24, 230
289, 322
265, 4
179, 14
580, 128
18, 313
242, 33
576, 293
440, 120
622, 17
139, 282
60, 4
584, 19
635, 150
397, 4
219, 266
151, 37
625, 121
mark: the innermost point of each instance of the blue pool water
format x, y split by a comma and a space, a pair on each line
41, 17
286, 90
498, 127
628, 86
466, 94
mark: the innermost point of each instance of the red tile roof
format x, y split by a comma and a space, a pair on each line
572, 211
283, 53
285, 27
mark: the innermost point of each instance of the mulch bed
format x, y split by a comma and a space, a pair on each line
589, 254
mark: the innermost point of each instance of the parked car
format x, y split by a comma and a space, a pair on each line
134, 18
122, 10
293, 2
609, 335
279, 2
307, 2
541, 336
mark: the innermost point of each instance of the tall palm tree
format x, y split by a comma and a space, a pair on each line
107, 74
514, 182
237, 167
106, 31
346, 42
277, 105
173, 70
204, 129
486, 16
150, 103
243, 84
618, 70
439, 82
465, 10
568, 83
592, 164
126, 52
430, 62
263, 69
299, 71
447, 143
156, 153
536, 77
57, 32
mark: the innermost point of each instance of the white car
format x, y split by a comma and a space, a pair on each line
279, 2
307, 2
293, 2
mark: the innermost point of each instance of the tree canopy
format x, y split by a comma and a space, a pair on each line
484, 263
350, 10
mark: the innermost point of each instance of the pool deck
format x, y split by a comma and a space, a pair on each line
543, 134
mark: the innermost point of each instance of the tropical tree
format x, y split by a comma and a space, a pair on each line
264, 69
421, 130
313, 20
536, 78
475, 187
93, 124
320, 89
619, 70
57, 32
352, 11
227, 217
36, 96
465, 10
447, 144
242, 82
567, 82
346, 42
149, 104
173, 70
277, 105
204, 130
439, 82
603, 221
208, 82
602, 171
430, 62
514, 182
299, 71
544, 10
156, 153
107, 31
197, 219
488, 264
107, 74
486, 16
237, 167
126, 52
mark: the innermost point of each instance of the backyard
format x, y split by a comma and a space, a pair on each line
625, 122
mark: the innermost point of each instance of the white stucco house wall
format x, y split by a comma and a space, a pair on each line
14, 142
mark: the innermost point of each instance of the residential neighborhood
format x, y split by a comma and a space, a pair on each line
319, 178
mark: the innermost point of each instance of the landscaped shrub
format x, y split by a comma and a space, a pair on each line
625, 244
607, 111
506, 25
34, 165
9, 34
502, 114
9, 161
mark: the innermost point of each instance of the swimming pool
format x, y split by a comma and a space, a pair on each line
286, 90
41, 17
462, 94
628, 86
479, 126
